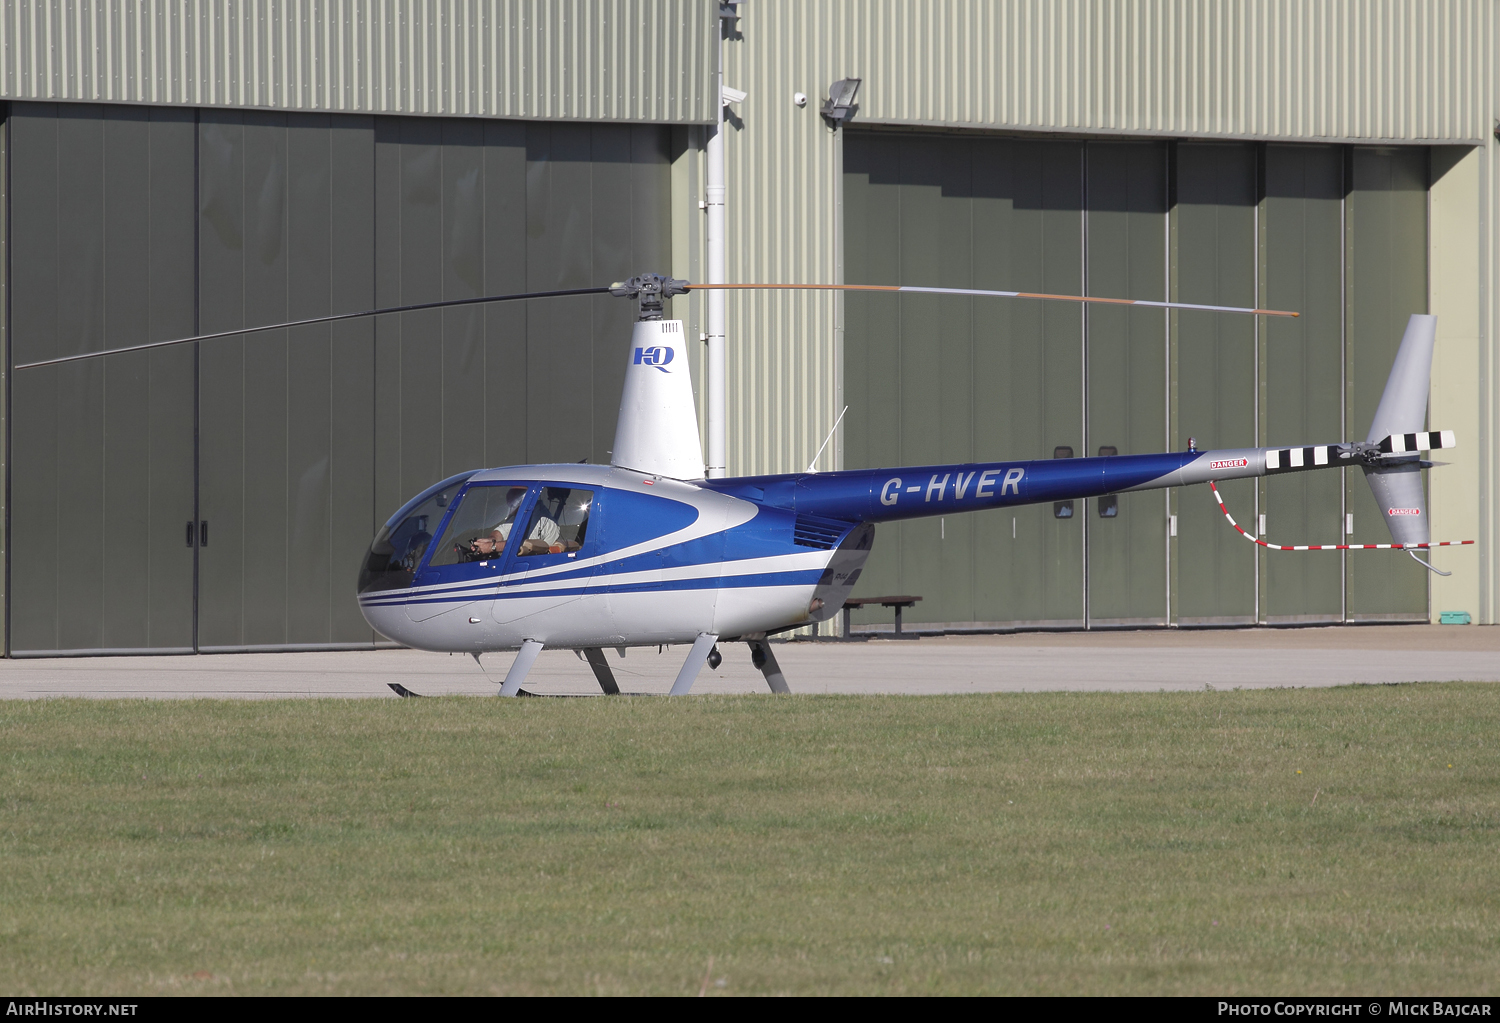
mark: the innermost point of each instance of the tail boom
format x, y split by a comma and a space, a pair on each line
910, 492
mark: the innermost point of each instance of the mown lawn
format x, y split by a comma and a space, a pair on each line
1015, 843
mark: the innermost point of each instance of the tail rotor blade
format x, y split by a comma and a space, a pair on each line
1408, 443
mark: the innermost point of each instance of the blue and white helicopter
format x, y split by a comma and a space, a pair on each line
647, 551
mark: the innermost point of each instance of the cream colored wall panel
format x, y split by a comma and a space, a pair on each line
598, 60
1400, 70
782, 161
1454, 297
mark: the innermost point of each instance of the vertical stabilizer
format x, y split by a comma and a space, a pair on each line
1403, 406
1397, 483
658, 428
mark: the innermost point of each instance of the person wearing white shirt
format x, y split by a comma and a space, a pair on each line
543, 537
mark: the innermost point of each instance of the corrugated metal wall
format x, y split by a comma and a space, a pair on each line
1369, 69
1355, 70
290, 447
1410, 70
939, 379
598, 60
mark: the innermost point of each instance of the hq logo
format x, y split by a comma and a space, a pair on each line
656, 355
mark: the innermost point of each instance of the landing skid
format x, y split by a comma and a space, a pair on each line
400, 690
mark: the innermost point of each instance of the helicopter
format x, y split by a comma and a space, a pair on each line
648, 551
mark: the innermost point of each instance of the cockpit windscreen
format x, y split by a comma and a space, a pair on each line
399, 547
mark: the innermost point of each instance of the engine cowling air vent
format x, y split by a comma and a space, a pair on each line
824, 534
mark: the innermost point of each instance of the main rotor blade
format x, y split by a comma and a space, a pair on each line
571, 292
908, 289
446, 304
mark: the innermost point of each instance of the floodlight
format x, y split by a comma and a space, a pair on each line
839, 108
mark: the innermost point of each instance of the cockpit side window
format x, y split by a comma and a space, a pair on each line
481, 524
559, 523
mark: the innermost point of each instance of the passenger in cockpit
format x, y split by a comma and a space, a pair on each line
543, 538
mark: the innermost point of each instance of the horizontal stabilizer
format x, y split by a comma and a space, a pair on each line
1403, 443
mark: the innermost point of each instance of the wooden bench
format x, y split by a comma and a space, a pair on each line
898, 602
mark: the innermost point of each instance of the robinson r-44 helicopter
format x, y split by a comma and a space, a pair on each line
647, 551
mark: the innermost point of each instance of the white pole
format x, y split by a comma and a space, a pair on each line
717, 451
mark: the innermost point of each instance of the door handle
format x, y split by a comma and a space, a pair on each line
191, 533
203, 533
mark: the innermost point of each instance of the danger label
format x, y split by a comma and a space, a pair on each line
1403, 511
1230, 463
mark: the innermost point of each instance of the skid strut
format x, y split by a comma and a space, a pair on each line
694, 663
606, 678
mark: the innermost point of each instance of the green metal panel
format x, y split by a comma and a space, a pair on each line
310, 436
464, 206
872, 246
34, 412
222, 242
927, 359
504, 184
101, 214
409, 263
327, 464
1127, 358
933, 380
459, 215
596, 211
244, 429
286, 459
423, 210
1302, 375
1387, 281
149, 296
1213, 261
353, 515
6, 362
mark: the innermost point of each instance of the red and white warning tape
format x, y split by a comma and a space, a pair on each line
1330, 546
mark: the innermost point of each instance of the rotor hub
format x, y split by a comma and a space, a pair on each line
651, 290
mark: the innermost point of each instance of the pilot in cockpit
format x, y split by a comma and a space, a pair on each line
544, 531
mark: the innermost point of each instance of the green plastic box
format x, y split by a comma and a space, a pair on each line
1453, 618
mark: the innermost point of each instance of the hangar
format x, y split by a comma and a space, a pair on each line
174, 170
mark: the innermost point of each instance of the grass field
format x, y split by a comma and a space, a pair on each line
1031, 843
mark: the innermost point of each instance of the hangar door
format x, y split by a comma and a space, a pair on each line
219, 496
1337, 233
